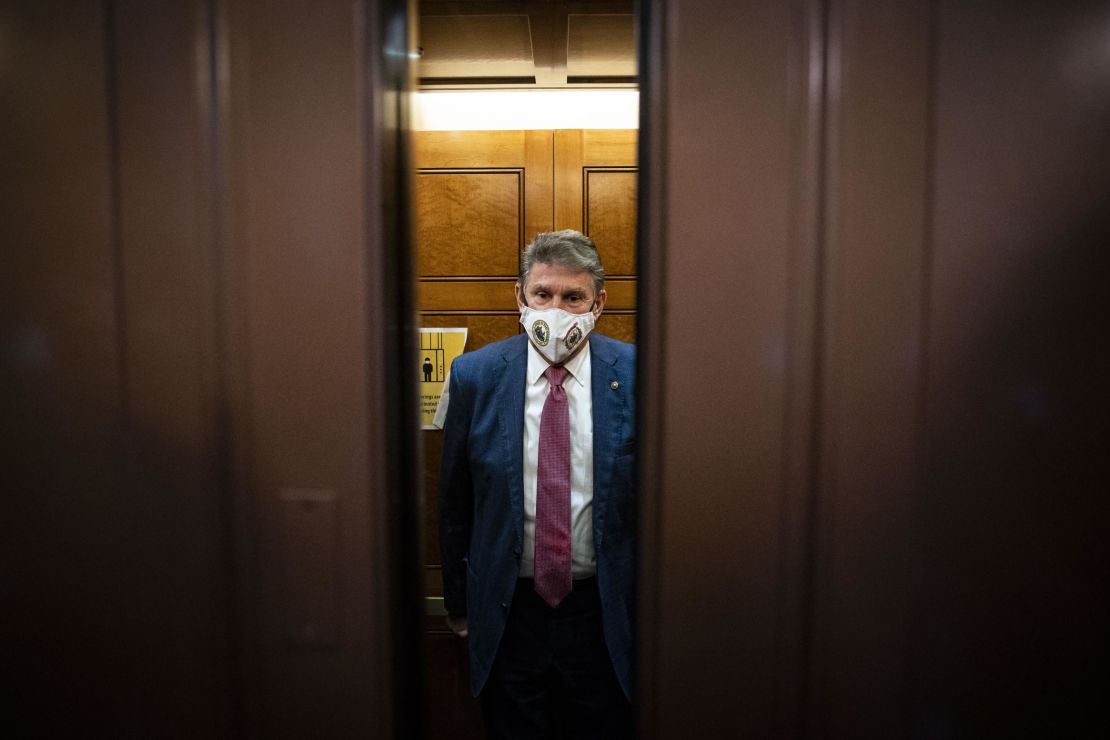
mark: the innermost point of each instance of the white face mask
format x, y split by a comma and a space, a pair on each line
556, 333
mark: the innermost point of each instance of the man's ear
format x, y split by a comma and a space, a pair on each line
519, 296
599, 304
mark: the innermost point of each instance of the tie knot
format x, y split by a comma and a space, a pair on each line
556, 375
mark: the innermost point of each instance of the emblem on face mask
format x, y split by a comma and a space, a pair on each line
541, 333
573, 337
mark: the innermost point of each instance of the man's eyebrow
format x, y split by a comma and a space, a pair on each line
537, 287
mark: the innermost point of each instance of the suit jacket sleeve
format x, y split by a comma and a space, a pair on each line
456, 494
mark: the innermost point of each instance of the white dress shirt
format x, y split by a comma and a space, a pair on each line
580, 402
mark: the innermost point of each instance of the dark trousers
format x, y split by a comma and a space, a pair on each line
552, 677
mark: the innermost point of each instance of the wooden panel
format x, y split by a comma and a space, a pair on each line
610, 217
527, 150
609, 147
621, 294
595, 188
620, 326
568, 180
466, 295
468, 148
469, 222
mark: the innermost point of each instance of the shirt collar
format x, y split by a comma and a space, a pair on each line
577, 366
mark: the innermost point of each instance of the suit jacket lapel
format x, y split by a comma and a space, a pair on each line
510, 395
608, 412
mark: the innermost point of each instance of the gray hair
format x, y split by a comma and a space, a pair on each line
567, 248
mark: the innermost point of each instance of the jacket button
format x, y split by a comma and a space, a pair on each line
504, 605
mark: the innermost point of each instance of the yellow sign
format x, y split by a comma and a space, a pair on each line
438, 347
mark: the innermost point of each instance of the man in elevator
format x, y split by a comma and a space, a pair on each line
537, 505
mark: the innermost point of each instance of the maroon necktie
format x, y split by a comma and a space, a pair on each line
552, 562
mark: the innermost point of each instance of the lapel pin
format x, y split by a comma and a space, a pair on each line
614, 385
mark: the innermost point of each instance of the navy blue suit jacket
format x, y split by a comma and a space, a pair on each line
481, 494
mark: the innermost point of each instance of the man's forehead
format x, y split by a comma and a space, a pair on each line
554, 276
541, 284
